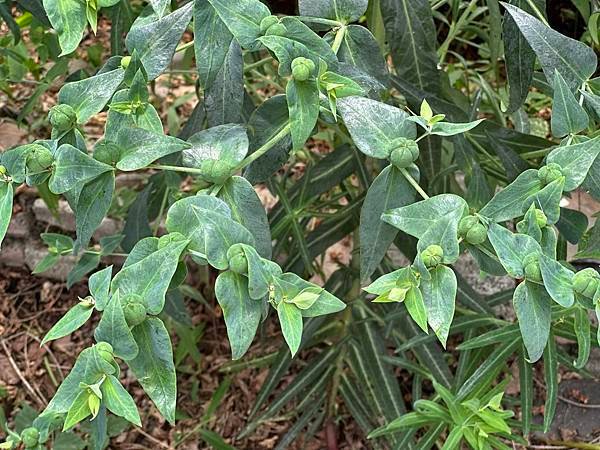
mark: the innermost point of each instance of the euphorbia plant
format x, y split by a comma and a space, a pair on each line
332, 76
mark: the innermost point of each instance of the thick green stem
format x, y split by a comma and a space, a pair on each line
331, 23
339, 38
414, 184
264, 148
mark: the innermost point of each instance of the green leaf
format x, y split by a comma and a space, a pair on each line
558, 281
451, 129
290, 319
242, 314
118, 401
568, 116
78, 411
551, 380
526, 386
114, 329
575, 160
303, 107
374, 125
326, 303
89, 96
572, 224
153, 366
415, 305
508, 203
142, 147
6, 203
155, 42
73, 319
243, 19
512, 248
99, 285
227, 143
247, 209
389, 190
575, 61
344, 11
87, 263
581, 327
92, 206
212, 39
68, 19
439, 294
150, 276
533, 309
443, 232
548, 200
145, 117
15, 161
73, 168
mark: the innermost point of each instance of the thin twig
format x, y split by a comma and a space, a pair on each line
38, 396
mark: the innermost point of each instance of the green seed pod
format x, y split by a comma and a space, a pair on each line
215, 171
465, 224
30, 437
105, 350
62, 117
401, 157
541, 218
135, 313
267, 23
237, 259
403, 145
277, 29
531, 267
125, 60
477, 234
585, 282
39, 159
547, 174
302, 68
432, 255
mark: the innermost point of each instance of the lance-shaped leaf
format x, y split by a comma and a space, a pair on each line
533, 308
568, 116
575, 161
242, 314
74, 168
155, 42
92, 206
68, 18
6, 203
118, 401
389, 190
99, 284
345, 11
581, 326
374, 125
451, 129
151, 275
508, 203
548, 200
512, 248
415, 305
439, 294
417, 218
207, 222
145, 117
326, 303
154, 366
142, 147
89, 96
114, 329
243, 18
558, 281
443, 232
290, 320
247, 209
227, 143
73, 319
303, 107
574, 60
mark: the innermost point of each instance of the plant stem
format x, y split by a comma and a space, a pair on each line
175, 168
538, 13
414, 184
264, 148
185, 46
332, 23
339, 37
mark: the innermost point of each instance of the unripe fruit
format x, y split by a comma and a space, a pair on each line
135, 312
30, 437
277, 29
547, 174
125, 61
404, 152
215, 171
541, 218
62, 117
105, 350
432, 255
267, 23
585, 282
531, 267
39, 159
466, 223
477, 234
237, 259
302, 68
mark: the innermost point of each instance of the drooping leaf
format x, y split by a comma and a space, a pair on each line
415, 305
142, 147
113, 329
439, 294
68, 19
290, 320
551, 380
532, 306
568, 116
303, 106
74, 319
118, 401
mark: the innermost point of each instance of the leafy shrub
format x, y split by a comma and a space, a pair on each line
436, 185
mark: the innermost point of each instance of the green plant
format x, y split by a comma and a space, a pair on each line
405, 187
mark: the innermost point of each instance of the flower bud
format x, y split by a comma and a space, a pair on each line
39, 159
62, 117
30, 437
237, 259
302, 68
267, 23
585, 282
531, 267
134, 310
105, 350
547, 174
432, 255
125, 60
215, 171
